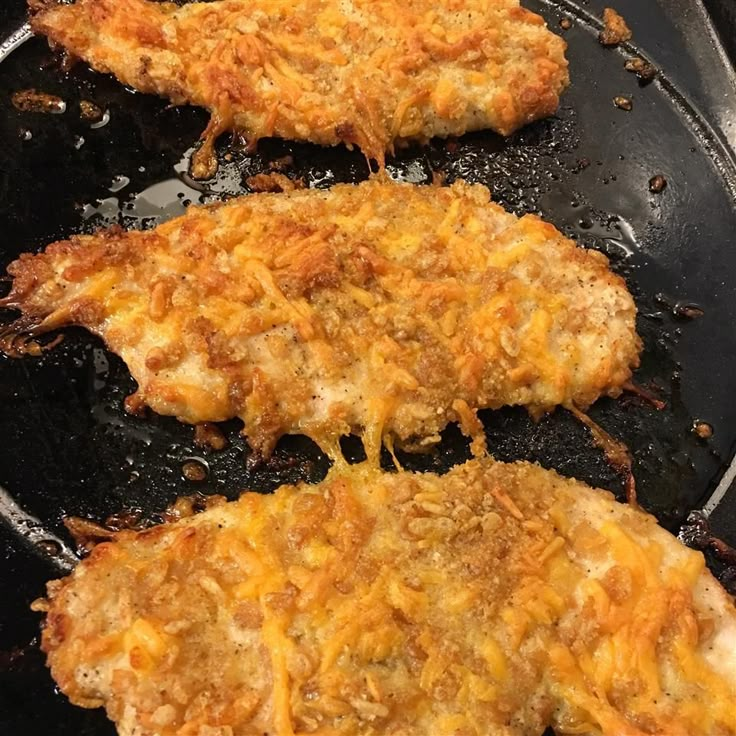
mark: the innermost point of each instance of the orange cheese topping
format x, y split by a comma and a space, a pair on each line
382, 308
412, 604
360, 72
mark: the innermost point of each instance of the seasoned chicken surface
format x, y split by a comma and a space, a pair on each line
363, 72
497, 599
382, 308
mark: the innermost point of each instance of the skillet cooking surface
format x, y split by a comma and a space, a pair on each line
68, 448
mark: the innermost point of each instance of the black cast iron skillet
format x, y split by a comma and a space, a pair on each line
67, 447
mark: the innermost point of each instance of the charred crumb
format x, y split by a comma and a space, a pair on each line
283, 163
67, 61
623, 103
696, 533
565, 24
616, 452
702, 430
239, 142
209, 436
87, 534
680, 309
645, 71
58, 59
728, 580
657, 184
646, 395
278, 463
282, 462
17, 341
125, 519
89, 112
49, 547
10, 658
615, 30
32, 100
684, 310
19, 658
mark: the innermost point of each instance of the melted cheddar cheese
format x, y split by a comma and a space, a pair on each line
495, 599
382, 308
361, 72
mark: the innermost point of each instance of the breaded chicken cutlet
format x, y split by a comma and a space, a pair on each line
381, 308
497, 599
362, 72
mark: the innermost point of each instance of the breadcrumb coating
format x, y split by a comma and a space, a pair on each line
382, 308
497, 599
368, 73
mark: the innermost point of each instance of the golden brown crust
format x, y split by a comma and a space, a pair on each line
372, 308
363, 72
615, 30
497, 599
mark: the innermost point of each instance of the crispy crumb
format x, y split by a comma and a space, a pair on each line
615, 30
703, 430
657, 184
89, 112
194, 471
209, 436
32, 100
645, 71
283, 163
623, 103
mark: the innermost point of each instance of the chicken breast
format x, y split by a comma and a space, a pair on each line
362, 72
497, 599
382, 308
